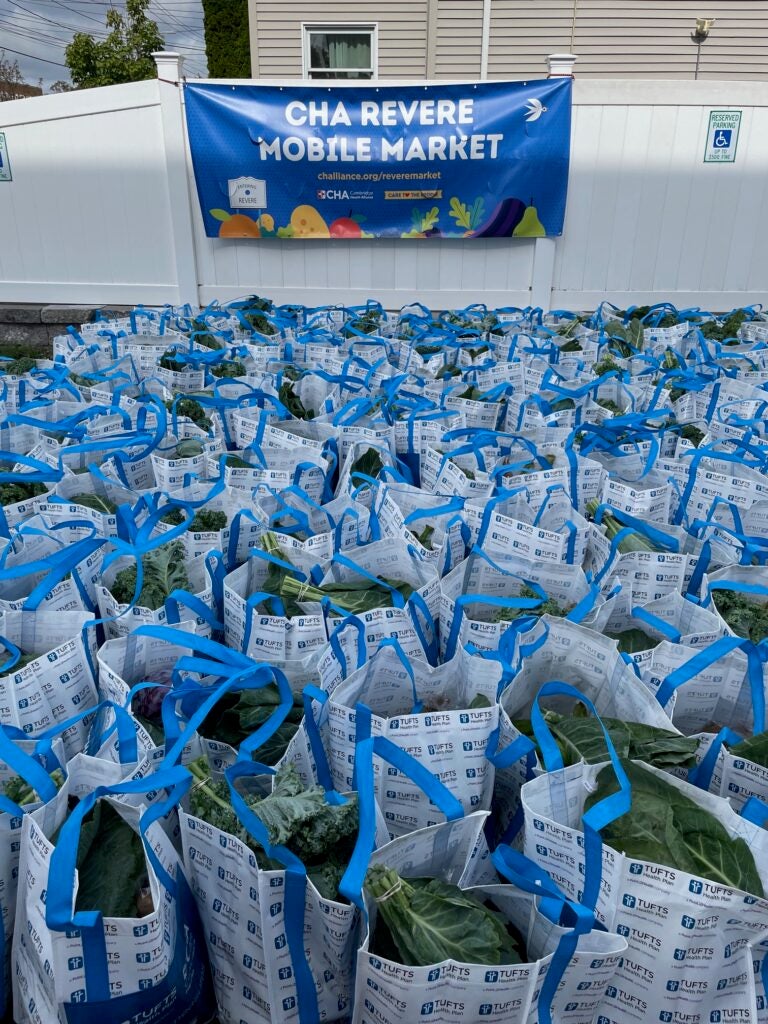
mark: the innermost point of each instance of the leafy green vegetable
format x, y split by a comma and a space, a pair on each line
754, 748
96, 501
693, 434
16, 789
237, 715
293, 403
202, 335
634, 541
23, 661
606, 365
425, 537
172, 360
189, 448
626, 339
632, 641
725, 330
164, 572
547, 606
429, 921
369, 463
580, 736
351, 597
11, 493
191, 409
18, 367
610, 405
111, 866
229, 368
664, 826
745, 618
235, 462
206, 520
321, 834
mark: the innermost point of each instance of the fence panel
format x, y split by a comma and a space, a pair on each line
86, 216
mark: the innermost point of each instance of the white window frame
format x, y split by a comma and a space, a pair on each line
370, 28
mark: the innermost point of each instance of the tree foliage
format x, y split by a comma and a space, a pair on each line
227, 44
124, 56
10, 78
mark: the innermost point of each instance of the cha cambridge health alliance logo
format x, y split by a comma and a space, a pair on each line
342, 194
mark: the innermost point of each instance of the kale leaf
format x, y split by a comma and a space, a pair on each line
192, 410
237, 715
744, 618
547, 607
11, 493
206, 520
321, 834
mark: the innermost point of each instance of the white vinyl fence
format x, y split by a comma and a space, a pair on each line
102, 209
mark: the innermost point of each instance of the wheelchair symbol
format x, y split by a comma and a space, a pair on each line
723, 138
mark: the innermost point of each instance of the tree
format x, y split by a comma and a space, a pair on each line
124, 56
10, 78
227, 44
61, 86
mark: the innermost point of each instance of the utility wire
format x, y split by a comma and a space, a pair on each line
33, 57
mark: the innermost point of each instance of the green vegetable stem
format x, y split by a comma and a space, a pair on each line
631, 541
350, 597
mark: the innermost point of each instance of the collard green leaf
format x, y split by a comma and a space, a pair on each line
110, 863
368, 463
95, 501
429, 921
754, 748
665, 826
632, 641
164, 571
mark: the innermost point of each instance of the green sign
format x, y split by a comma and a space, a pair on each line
5, 164
722, 136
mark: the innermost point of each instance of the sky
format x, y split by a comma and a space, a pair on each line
39, 31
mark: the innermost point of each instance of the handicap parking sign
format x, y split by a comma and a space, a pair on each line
722, 136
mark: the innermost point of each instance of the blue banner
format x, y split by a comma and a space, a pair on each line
488, 159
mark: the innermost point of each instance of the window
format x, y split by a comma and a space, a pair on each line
339, 51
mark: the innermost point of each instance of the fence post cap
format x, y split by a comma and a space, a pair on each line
169, 65
561, 64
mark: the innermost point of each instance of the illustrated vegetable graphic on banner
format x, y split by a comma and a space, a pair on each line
476, 160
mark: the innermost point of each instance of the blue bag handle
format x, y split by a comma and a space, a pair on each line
600, 814
26, 766
254, 677
701, 775
523, 873
351, 884
59, 914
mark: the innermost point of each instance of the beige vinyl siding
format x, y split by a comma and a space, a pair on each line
630, 38
459, 38
402, 33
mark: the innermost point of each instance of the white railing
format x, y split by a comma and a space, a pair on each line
102, 209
